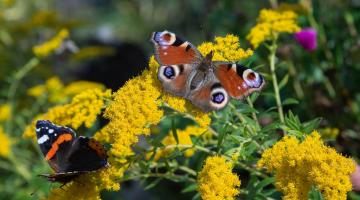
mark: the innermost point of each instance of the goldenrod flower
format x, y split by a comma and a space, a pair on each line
5, 142
135, 106
216, 180
184, 140
83, 109
84, 188
5, 113
52, 45
77, 87
300, 165
225, 49
53, 87
270, 24
58, 93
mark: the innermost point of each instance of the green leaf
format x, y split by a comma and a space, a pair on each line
174, 131
290, 101
314, 194
284, 81
190, 188
196, 196
264, 183
153, 184
222, 135
311, 125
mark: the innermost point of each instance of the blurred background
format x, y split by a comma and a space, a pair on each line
110, 43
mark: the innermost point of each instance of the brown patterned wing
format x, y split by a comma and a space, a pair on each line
174, 78
210, 95
172, 50
238, 80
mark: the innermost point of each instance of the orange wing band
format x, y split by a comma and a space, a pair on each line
55, 146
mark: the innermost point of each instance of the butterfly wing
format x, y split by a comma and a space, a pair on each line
237, 80
55, 142
177, 59
210, 94
63, 177
172, 50
86, 155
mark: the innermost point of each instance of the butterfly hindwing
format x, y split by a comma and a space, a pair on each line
237, 80
210, 95
86, 154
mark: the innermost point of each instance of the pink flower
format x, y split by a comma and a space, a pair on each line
355, 179
307, 38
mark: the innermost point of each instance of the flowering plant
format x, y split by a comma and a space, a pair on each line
258, 148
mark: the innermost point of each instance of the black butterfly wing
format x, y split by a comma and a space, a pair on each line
55, 142
63, 177
85, 155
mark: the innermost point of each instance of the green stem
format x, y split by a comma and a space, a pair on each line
272, 57
157, 175
253, 113
296, 83
274, 4
203, 149
19, 167
14, 86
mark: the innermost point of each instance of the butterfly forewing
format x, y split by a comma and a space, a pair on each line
172, 50
55, 142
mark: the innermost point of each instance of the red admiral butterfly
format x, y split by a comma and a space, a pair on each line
68, 155
207, 84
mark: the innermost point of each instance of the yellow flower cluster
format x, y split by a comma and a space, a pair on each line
93, 52
216, 180
52, 45
225, 49
83, 109
53, 87
184, 141
5, 143
5, 112
135, 106
270, 23
84, 188
300, 165
58, 93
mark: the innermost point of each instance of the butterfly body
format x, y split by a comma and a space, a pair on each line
69, 156
208, 84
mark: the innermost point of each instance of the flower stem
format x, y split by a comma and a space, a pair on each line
272, 57
252, 113
14, 86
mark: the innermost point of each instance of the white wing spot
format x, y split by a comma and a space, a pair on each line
46, 128
43, 139
38, 129
51, 130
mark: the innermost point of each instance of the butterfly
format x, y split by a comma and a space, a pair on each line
207, 84
69, 156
